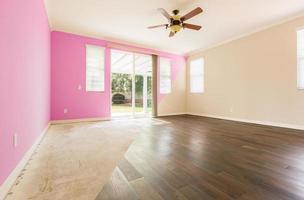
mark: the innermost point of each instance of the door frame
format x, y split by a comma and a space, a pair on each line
153, 85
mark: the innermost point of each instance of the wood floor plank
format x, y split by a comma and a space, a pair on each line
188, 157
193, 193
117, 188
128, 170
144, 190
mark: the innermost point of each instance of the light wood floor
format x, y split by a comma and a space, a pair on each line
180, 157
196, 158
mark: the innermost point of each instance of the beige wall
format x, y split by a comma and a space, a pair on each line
253, 78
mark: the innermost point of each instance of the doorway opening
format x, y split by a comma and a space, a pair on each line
131, 76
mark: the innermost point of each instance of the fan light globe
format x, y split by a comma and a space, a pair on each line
175, 28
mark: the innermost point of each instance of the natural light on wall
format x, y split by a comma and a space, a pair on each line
165, 76
95, 68
300, 49
197, 76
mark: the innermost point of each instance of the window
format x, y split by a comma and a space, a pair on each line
300, 49
165, 76
94, 68
197, 76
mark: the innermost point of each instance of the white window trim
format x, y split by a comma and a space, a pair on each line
203, 76
167, 76
299, 75
104, 65
299, 86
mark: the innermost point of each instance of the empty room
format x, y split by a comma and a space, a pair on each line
152, 100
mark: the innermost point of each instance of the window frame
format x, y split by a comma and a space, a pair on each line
202, 76
91, 89
300, 60
169, 76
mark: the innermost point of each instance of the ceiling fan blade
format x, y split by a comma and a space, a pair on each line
164, 13
171, 34
157, 26
192, 26
191, 14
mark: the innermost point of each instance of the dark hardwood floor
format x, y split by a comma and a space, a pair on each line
190, 158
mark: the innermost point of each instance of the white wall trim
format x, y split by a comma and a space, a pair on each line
267, 123
171, 114
67, 121
10, 181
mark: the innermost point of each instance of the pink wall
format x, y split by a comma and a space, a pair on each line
68, 72
24, 78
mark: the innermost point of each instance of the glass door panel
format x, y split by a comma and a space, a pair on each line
149, 95
121, 74
143, 70
139, 103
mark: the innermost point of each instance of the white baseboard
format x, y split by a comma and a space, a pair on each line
67, 121
276, 124
170, 114
10, 181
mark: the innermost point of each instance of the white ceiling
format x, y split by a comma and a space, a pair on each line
126, 20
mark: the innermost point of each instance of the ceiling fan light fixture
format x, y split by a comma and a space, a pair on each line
177, 22
175, 28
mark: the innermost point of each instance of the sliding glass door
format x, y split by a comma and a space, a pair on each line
131, 84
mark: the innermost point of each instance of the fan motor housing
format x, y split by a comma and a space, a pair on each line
176, 22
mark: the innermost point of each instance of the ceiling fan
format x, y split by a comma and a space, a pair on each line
177, 22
